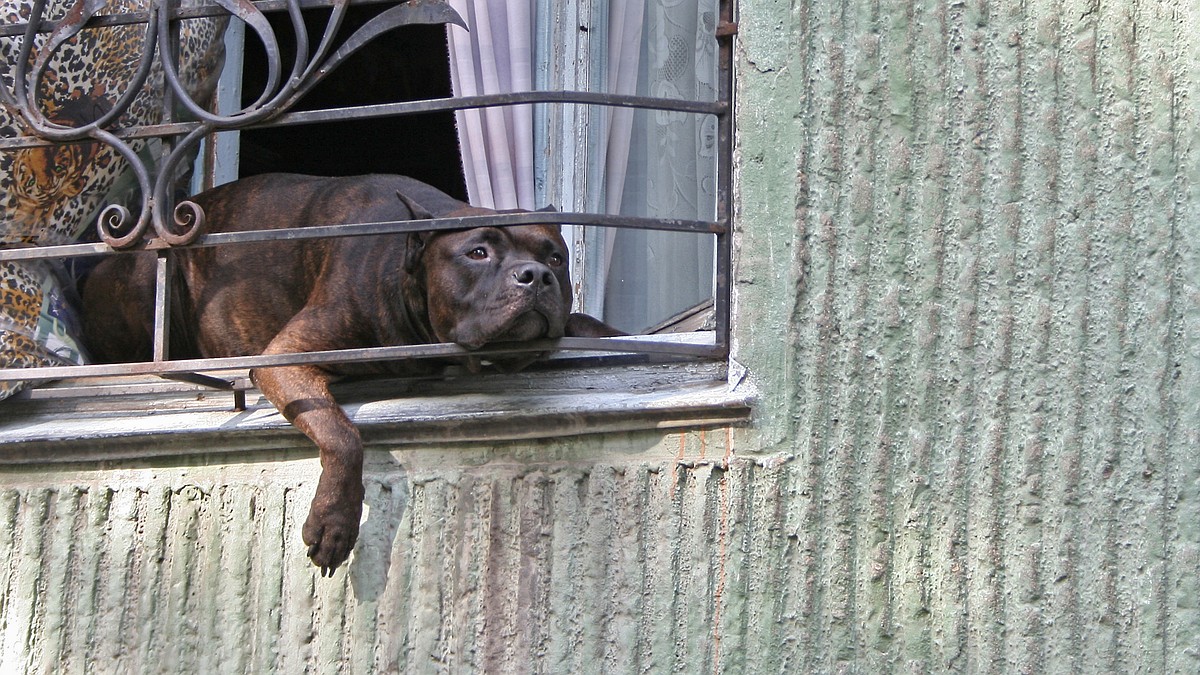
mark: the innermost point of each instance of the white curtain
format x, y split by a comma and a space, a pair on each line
642, 163
626, 20
495, 57
652, 276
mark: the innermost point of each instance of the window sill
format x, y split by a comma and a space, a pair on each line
158, 418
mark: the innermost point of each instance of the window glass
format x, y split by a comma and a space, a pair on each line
653, 276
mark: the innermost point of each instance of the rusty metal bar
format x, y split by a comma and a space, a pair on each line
726, 31
380, 110
164, 266
380, 228
394, 353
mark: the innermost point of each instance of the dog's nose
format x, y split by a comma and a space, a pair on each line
532, 273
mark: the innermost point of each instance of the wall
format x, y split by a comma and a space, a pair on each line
968, 294
991, 364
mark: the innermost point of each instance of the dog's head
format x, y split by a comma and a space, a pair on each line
492, 284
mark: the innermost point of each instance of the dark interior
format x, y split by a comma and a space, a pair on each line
406, 64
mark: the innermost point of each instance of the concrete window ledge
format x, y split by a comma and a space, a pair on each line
155, 417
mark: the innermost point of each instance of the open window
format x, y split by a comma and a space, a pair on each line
408, 63
589, 158
617, 112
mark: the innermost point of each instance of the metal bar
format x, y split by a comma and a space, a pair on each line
166, 385
381, 228
162, 304
441, 350
722, 306
423, 106
165, 262
182, 13
202, 380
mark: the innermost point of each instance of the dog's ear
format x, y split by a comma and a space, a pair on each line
418, 212
416, 240
548, 209
414, 249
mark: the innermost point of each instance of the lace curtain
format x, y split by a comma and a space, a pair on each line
671, 171
643, 163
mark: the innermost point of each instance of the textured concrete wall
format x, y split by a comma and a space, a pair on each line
968, 291
991, 367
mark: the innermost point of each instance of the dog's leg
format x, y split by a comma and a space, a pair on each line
582, 325
301, 393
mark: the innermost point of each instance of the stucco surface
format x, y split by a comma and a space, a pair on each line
968, 294
989, 376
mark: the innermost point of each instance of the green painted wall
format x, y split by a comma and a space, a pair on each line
974, 287
968, 294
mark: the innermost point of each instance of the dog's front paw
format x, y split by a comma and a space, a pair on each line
331, 530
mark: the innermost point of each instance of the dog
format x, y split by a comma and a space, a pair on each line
472, 287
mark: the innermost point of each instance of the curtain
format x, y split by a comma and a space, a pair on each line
639, 163
626, 21
495, 57
671, 172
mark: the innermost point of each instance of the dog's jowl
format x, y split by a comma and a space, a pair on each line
471, 287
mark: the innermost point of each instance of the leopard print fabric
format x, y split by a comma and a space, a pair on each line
52, 195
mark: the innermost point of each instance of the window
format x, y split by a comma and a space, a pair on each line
598, 123
626, 161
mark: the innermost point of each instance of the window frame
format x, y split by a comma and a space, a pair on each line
196, 370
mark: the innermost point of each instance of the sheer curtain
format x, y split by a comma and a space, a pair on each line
626, 22
671, 173
495, 57
635, 163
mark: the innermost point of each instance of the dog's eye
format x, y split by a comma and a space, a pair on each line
478, 253
555, 260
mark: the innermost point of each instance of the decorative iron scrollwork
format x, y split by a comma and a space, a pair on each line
160, 56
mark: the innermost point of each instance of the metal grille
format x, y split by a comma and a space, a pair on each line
163, 226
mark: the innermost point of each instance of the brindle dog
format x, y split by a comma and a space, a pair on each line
471, 287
